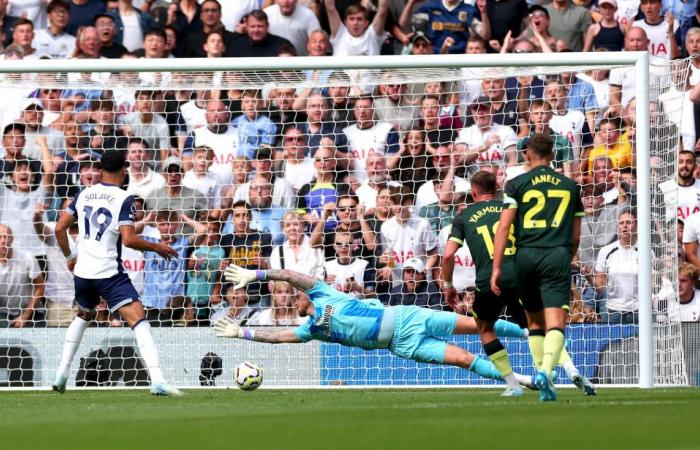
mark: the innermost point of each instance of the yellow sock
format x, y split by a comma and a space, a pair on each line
502, 363
553, 345
536, 343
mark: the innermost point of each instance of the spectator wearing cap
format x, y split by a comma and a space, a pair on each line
293, 22
254, 128
23, 35
504, 111
19, 198
14, 142
83, 14
356, 35
282, 192
55, 41
420, 44
173, 196
131, 24
569, 22
143, 180
259, 42
8, 22
106, 32
415, 289
660, 30
191, 41
448, 22
608, 33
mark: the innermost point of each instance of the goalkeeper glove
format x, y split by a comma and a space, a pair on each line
240, 276
227, 327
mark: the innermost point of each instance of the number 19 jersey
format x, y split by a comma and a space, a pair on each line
476, 228
547, 203
100, 210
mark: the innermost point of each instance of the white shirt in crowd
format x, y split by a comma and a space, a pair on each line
56, 46
133, 34
16, 288
345, 44
602, 94
296, 28
691, 230
569, 125
363, 143
679, 110
134, 262
233, 11
413, 239
627, 10
690, 312
464, 275
34, 10
367, 196
17, 212
625, 78
282, 193
685, 198
659, 42
299, 174
59, 280
619, 264
308, 260
496, 154
193, 116
343, 272
208, 185
426, 194
156, 133
266, 318
148, 185
225, 146
694, 75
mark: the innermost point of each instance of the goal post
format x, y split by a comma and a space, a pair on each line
645, 352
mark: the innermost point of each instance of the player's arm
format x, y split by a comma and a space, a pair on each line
64, 223
228, 328
448, 267
242, 277
499, 245
576, 235
132, 240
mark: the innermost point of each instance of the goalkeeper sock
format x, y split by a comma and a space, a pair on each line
553, 345
567, 364
536, 343
74, 334
503, 328
485, 368
148, 350
499, 357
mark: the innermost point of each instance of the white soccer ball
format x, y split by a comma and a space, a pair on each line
249, 376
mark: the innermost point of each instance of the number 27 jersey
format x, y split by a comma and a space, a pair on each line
100, 210
547, 203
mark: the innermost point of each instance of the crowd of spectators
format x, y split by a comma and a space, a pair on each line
354, 183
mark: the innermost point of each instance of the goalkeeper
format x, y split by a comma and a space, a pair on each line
410, 332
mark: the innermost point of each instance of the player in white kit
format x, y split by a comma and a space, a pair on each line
105, 214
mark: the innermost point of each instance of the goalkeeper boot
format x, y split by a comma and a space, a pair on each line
513, 391
59, 384
548, 393
584, 384
164, 389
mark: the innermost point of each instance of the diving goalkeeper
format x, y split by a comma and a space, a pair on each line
410, 332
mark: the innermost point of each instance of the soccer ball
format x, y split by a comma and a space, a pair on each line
249, 376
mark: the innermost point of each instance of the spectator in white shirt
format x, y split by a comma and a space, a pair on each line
147, 125
143, 180
356, 36
347, 273
660, 30
200, 179
54, 41
293, 22
688, 296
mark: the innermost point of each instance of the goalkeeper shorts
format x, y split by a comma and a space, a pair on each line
417, 332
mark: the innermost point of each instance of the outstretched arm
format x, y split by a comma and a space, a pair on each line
227, 327
242, 277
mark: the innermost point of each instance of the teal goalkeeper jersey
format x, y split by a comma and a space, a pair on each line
345, 320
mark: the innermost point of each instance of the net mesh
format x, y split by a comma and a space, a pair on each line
296, 170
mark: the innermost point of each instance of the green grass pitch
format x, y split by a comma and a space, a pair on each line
350, 419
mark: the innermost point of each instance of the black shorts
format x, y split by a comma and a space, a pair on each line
489, 306
544, 277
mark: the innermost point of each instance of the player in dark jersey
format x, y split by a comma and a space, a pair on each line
476, 227
546, 209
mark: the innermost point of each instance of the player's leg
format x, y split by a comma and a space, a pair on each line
122, 296
502, 328
487, 308
87, 298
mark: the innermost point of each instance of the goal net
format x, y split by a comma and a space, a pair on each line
353, 176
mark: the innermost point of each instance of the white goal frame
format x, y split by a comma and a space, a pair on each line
640, 60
